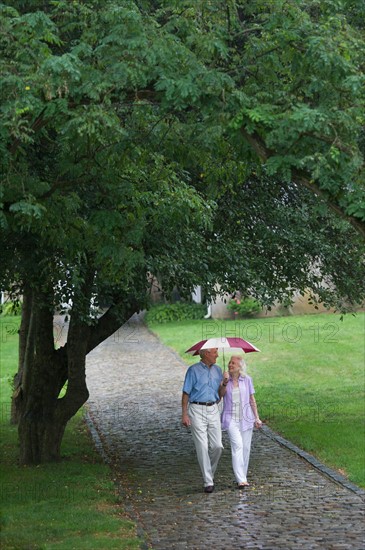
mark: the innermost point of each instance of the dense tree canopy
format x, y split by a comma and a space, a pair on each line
202, 141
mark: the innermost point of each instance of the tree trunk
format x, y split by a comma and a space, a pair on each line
43, 415
41, 425
23, 335
40, 380
40, 438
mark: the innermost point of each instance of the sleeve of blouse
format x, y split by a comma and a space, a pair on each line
250, 386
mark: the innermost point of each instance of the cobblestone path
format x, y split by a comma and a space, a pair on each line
134, 409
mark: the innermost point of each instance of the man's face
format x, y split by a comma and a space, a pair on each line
210, 356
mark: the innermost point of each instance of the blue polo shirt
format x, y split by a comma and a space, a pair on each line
202, 382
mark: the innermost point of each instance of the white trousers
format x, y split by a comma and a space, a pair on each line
207, 436
240, 448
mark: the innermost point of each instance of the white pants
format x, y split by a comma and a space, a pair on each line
240, 447
207, 436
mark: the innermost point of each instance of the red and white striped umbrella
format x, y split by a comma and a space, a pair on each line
225, 343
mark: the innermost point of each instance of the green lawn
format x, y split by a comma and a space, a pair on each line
309, 379
70, 505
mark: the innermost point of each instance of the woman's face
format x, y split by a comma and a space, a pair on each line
234, 366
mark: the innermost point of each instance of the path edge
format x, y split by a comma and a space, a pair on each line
329, 472
130, 511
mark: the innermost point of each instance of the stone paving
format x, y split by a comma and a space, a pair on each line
135, 416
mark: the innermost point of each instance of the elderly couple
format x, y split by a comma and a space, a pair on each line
204, 387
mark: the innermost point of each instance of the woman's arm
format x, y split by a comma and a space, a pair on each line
253, 404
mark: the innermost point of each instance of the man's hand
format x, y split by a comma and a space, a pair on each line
186, 420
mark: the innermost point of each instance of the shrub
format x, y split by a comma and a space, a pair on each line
180, 311
11, 308
244, 307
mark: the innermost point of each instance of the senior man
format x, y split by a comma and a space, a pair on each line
201, 394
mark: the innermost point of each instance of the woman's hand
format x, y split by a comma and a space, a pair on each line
258, 423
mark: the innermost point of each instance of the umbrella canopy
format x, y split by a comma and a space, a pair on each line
224, 343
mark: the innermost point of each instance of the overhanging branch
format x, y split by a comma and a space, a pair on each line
302, 179
110, 322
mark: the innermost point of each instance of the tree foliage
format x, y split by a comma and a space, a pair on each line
204, 142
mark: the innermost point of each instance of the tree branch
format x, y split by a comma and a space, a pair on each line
303, 179
110, 322
38, 123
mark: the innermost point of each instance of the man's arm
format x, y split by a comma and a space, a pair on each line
184, 405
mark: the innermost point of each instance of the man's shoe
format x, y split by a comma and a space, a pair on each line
209, 489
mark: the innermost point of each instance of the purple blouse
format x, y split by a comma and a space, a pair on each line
245, 415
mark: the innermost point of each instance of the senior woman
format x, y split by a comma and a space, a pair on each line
239, 416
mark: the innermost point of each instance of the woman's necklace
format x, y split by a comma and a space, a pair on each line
235, 382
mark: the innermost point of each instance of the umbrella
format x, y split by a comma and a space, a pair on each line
223, 343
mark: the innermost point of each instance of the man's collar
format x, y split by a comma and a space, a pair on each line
205, 365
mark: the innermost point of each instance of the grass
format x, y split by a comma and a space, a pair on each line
64, 506
309, 379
